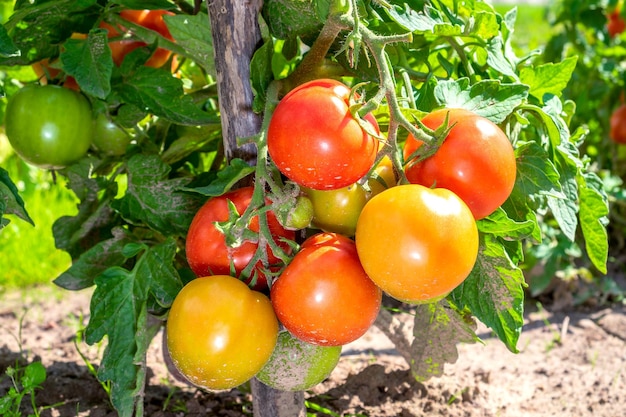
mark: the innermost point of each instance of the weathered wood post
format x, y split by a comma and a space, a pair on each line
236, 36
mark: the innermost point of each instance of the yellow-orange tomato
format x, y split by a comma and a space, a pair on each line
416, 243
220, 333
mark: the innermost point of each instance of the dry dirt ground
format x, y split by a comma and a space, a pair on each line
572, 363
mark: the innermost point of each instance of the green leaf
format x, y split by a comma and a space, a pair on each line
500, 224
90, 63
437, 330
536, 174
34, 376
593, 211
550, 78
493, 292
10, 200
38, 29
497, 59
94, 261
225, 179
156, 91
193, 34
7, 48
261, 74
565, 208
488, 98
154, 200
119, 311
414, 21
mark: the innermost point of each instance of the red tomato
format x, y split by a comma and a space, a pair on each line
207, 252
219, 332
615, 24
476, 161
416, 243
618, 125
324, 297
314, 140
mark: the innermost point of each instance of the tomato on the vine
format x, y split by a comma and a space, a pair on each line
618, 125
324, 296
150, 19
49, 126
615, 23
206, 248
296, 365
476, 161
108, 137
416, 243
316, 142
338, 210
220, 333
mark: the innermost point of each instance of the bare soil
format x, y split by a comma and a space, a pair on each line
572, 362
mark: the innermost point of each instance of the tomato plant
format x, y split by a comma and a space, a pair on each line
417, 243
57, 134
377, 68
323, 296
219, 332
207, 250
314, 139
298, 366
476, 161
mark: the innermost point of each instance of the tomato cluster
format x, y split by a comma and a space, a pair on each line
411, 234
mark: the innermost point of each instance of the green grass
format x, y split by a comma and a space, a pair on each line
27, 253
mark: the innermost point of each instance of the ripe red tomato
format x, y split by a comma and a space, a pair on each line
45, 72
314, 140
49, 126
219, 332
207, 252
615, 24
324, 296
476, 161
618, 125
150, 19
416, 243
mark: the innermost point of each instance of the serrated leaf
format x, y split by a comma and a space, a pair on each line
193, 34
437, 329
10, 200
415, 21
500, 224
487, 98
484, 25
497, 59
261, 74
225, 179
90, 62
7, 48
39, 29
493, 292
536, 174
119, 311
94, 261
565, 209
154, 200
593, 211
550, 78
156, 91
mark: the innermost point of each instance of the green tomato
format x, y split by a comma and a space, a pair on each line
49, 126
298, 366
337, 210
109, 138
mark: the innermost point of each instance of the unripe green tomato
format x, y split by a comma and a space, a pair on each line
109, 138
49, 126
301, 215
337, 210
298, 366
